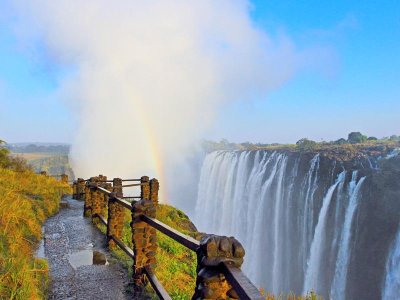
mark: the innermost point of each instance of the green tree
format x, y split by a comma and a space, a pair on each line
356, 138
4, 155
340, 141
306, 144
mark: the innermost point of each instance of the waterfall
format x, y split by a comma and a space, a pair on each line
339, 281
314, 262
391, 287
296, 214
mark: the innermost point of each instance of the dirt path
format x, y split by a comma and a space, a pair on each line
80, 265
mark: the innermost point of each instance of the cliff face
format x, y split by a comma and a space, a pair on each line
318, 219
376, 226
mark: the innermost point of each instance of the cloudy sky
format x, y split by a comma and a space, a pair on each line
340, 72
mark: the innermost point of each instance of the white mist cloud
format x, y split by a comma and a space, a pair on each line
150, 75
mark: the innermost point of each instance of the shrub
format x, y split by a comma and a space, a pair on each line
356, 138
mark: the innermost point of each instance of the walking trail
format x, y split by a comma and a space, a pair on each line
80, 265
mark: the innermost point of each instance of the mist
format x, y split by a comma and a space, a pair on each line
148, 77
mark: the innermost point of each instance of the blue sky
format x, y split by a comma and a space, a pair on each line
356, 87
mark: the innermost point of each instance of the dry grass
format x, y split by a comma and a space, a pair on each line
33, 156
291, 296
26, 200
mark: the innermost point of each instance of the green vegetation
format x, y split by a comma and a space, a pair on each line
176, 265
354, 142
26, 200
291, 296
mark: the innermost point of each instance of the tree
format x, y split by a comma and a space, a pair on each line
306, 144
340, 141
356, 138
372, 138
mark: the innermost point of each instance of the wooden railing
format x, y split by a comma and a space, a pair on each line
218, 258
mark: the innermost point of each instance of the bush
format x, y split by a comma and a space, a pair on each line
306, 144
356, 138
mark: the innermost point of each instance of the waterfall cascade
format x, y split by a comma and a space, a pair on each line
391, 288
297, 214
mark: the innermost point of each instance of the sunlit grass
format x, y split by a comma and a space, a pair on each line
26, 200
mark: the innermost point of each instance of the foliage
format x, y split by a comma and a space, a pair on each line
9, 162
356, 138
176, 265
340, 141
306, 144
26, 200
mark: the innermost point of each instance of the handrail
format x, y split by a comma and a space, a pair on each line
122, 202
181, 238
124, 247
157, 286
129, 185
234, 276
101, 218
240, 283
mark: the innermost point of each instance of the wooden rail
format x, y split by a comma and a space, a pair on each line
95, 191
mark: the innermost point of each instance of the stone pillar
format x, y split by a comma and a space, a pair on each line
154, 187
144, 188
87, 209
80, 188
96, 204
74, 190
103, 197
211, 282
108, 187
144, 237
115, 214
64, 178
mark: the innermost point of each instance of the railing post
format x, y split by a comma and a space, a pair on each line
211, 282
87, 208
80, 188
144, 237
144, 187
115, 222
64, 178
95, 202
74, 190
154, 187
104, 197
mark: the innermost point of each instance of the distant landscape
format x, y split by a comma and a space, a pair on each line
49, 157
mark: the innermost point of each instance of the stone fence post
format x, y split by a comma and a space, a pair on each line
74, 190
115, 222
211, 282
96, 204
144, 237
87, 208
80, 188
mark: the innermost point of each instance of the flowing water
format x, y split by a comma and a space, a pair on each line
298, 216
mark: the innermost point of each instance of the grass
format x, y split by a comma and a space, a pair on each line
26, 200
176, 265
291, 296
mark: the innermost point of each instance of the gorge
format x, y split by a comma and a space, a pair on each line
322, 220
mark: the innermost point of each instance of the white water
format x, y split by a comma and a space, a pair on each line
338, 288
314, 261
391, 287
294, 214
